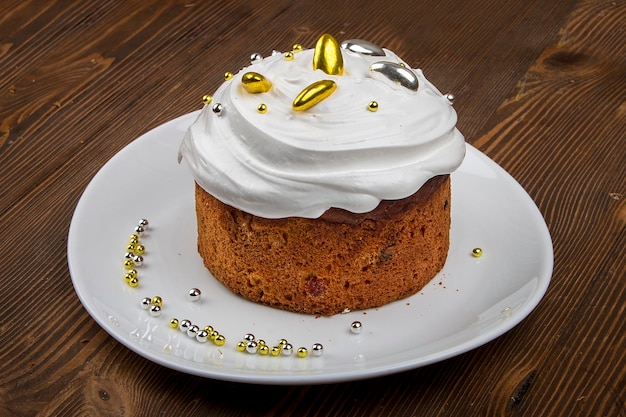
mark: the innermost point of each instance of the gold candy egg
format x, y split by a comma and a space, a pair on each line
313, 94
255, 83
327, 55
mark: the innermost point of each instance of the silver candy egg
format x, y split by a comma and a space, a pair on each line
194, 294
317, 349
218, 109
256, 57
146, 302
252, 346
184, 325
193, 330
155, 311
394, 74
138, 260
356, 327
202, 336
287, 349
362, 47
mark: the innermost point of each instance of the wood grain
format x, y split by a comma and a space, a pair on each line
539, 88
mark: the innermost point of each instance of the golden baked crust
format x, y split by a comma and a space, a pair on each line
336, 262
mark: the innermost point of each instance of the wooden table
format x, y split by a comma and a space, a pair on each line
539, 88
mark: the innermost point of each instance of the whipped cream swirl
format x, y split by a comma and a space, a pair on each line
285, 163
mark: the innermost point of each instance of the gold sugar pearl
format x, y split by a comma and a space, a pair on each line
263, 350
372, 106
133, 282
477, 252
297, 48
302, 352
220, 340
209, 329
262, 108
157, 301
289, 56
228, 75
133, 239
140, 249
207, 99
241, 346
261, 342
174, 323
128, 264
275, 351
282, 342
214, 334
131, 247
132, 273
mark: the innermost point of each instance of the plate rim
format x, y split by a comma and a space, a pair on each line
543, 281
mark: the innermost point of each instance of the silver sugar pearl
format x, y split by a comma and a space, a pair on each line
139, 229
252, 346
184, 325
146, 302
202, 336
356, 327
138, 260
155, 311
194, 294
450, 98
317, 349
256, 57
218, 109
275, 52
144, 223
193, 330
287, 349
248, 337
129, 255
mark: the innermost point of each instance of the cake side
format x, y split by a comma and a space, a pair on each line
336, 262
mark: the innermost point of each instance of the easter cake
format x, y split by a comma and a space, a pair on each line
322, 178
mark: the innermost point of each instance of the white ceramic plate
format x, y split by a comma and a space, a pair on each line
470, 302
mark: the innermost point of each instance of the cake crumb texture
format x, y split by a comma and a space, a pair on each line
336, 262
